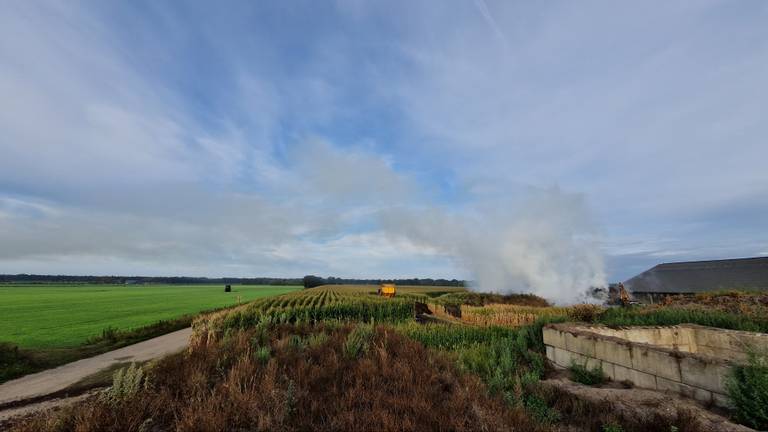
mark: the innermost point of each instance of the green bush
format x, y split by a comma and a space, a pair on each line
748, 390
126, 382
582, 374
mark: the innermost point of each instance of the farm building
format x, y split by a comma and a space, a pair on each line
699, 276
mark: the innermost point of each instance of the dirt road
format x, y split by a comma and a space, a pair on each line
54, 380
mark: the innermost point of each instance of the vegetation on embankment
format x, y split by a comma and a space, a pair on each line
672, 315
304, 382
748, 391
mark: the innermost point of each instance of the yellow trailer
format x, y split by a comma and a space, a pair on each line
387, 290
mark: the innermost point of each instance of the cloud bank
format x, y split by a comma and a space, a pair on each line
523, 146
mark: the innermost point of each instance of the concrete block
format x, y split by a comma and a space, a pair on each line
637, 335
665, 385
711, 338
664, 336
702, 395
550, 352
642, 379
593, 363
656, 362
614, 352
564, 358
639, 379
608, 369
687, 339
554, 338
621, 373
580, 344
703, 374
721, 400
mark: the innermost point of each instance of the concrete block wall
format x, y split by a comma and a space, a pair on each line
676, 337
728, 344
645, 365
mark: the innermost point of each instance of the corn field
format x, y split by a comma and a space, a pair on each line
309, 306
506, 315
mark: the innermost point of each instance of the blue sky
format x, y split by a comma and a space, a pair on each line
523, 144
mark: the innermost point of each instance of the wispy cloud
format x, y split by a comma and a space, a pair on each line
482, 7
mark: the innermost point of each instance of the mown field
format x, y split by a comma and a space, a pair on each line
55, 316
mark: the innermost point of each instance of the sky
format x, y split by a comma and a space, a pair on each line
525, 145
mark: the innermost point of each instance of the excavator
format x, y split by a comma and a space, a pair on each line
623, 296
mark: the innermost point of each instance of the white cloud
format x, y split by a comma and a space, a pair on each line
176, 138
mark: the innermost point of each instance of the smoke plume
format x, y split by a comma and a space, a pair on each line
544, 244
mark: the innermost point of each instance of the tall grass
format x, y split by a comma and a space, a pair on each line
639, 316
449, 337
509, 360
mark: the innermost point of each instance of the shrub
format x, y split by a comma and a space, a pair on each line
581, 374
481, 299
126, 382
358, 340
585, 312
296, 342
612, 427
748, 390
539, 410
262, 354
316, 339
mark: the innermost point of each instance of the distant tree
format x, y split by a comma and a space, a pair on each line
311, 281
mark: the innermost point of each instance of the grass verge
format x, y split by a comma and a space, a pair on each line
16, 362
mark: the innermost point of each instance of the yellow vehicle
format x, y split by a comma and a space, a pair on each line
387, 290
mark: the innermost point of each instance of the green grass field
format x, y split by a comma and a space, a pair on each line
61, 315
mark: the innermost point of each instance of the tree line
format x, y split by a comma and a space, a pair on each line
308, 281
129, 280
311, 281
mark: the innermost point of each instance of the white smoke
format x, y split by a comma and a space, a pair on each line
544, 244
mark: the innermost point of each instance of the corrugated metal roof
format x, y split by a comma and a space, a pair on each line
701, 276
